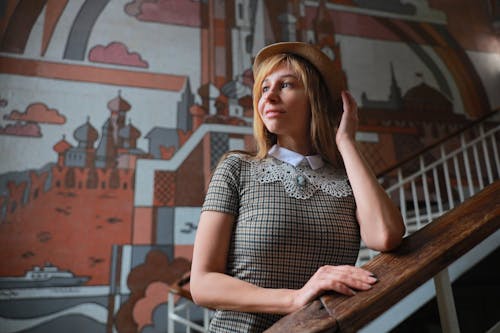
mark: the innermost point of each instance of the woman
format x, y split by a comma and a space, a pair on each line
280, 228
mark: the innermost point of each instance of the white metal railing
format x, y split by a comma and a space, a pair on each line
439, 180
182, 313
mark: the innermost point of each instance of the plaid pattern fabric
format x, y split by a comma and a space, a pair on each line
278, 241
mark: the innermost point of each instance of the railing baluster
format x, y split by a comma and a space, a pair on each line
446, 304
467, 165
175, 317
451, 204
188, 318
171, 307
415, 204
402, 196
438, 191
478, 166
486, 155
206, 319
495, 153
458, 175
426, 190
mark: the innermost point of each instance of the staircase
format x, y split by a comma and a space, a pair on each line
426, 185
441, 176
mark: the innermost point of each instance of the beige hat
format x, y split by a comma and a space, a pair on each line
311, 53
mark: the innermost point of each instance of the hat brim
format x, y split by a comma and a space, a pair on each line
311, 53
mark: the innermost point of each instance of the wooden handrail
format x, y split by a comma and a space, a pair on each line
437, 143
420, 257
179, 287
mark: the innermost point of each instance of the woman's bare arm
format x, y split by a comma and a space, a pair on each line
380, 221
211, 287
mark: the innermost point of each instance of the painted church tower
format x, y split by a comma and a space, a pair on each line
111, 141
324, 32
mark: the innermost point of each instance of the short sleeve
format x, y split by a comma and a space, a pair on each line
224, 188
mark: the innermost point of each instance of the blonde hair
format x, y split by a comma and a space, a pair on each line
324, 112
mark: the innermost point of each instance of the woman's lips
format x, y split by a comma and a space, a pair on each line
273, 113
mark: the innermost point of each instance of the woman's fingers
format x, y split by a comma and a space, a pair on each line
348, 101
343, 279
352, 277
349, 120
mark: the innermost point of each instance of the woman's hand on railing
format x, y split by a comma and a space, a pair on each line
344, 279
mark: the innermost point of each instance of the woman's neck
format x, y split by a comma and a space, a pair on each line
303, 147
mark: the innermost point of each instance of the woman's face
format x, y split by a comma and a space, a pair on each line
284, 105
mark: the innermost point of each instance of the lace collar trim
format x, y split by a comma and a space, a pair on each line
301, 182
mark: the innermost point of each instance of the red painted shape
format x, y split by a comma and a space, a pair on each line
118, 54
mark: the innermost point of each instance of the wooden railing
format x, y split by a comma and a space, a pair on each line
421, 256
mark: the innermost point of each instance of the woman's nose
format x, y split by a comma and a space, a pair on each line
272, 94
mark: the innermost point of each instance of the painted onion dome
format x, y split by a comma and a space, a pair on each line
86, 133
425, 97
130, 132
62, 146
118, 104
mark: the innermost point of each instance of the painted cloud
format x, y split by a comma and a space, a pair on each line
22, 129
37, 113
181, 12
116, 53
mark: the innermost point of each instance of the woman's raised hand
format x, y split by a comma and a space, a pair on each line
344, 279
349, 121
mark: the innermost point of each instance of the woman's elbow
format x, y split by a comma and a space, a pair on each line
391, 242
387, 240
198, 299
199, 293
196, 291
384, 244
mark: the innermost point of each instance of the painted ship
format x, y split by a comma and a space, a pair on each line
46, 276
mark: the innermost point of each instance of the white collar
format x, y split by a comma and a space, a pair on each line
294, 158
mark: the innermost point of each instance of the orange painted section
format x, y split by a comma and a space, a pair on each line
143, 226
83, 73
205, 56
183, 251
53, 11
72, 229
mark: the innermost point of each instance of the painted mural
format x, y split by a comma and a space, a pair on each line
113, 113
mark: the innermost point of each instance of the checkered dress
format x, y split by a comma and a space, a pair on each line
278, 241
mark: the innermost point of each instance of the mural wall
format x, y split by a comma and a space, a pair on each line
114, 112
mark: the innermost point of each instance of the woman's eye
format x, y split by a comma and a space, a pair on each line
285, 85
264, 89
